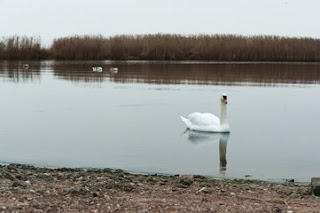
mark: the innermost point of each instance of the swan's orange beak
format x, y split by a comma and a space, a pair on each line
225, 101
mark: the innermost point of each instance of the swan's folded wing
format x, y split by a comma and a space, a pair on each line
203, 119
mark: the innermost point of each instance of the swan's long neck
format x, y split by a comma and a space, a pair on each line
223, 113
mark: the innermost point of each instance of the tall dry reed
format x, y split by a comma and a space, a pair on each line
80, 48
22, 48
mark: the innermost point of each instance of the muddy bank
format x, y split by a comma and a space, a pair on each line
29, 189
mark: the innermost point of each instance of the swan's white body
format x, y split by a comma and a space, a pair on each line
114, 70
207, 122
97, 69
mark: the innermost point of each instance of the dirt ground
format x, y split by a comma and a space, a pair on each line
29, 189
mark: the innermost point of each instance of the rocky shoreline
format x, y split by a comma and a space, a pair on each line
30, 189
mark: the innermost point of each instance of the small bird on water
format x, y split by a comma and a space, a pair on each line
97, 69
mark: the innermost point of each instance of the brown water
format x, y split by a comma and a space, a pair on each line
61, 114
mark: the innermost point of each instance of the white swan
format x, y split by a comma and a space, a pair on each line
97, 69
207, 122
114, 70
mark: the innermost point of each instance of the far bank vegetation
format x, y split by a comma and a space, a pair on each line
22, 48
165, 47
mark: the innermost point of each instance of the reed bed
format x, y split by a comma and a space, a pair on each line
22, 48
166, 47
80, 48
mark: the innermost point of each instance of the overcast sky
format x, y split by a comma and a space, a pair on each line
56, 18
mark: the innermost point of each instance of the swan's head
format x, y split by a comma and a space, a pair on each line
224, 98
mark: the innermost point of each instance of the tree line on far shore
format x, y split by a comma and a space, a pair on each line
164, 47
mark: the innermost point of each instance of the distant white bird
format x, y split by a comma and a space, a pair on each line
207, 122
97, 69
114, 70
25, 66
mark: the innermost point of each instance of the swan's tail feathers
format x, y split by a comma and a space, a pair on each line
186, 121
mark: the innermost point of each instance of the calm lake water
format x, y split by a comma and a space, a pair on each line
61, 114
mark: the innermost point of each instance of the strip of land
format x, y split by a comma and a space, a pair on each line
30, 189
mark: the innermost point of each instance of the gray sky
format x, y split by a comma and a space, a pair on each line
56, 18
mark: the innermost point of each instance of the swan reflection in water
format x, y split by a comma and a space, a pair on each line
207, 137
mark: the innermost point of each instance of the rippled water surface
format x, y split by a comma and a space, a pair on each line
62, 114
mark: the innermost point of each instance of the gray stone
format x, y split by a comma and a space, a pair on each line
315, 186
185, 181
35, 204
285, 191
289, 180
8, 175
18, 183
76, 191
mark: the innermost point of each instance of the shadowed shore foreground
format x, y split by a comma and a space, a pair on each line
29, 189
